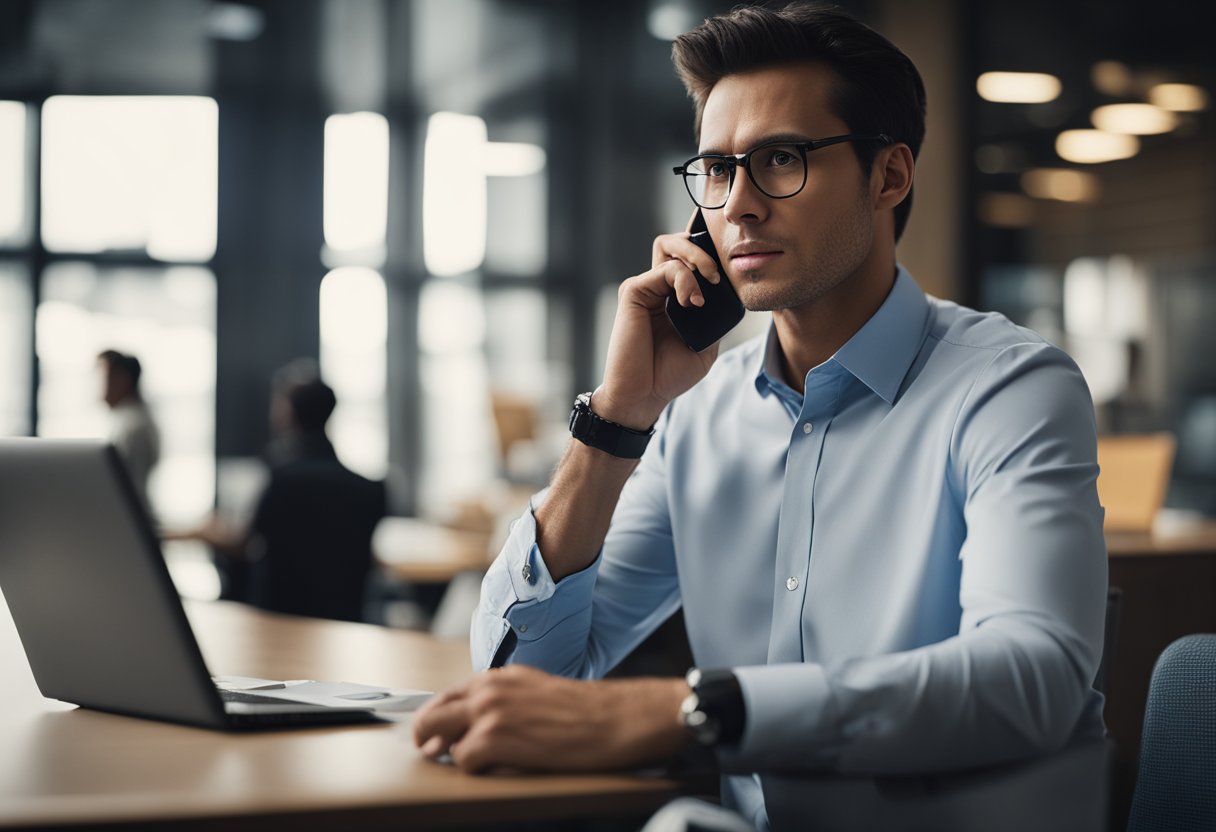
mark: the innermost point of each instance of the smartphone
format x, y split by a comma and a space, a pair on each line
700, 327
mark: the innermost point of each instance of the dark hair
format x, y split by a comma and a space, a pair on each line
312, 400
877, 89
123, 364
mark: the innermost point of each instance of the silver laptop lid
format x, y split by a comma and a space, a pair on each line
84, 578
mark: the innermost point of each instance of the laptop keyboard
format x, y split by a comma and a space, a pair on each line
254, 698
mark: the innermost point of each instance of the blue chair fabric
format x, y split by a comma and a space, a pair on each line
1176, 784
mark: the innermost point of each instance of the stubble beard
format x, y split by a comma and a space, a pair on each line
841, 249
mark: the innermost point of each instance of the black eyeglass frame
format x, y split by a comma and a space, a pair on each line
733, 162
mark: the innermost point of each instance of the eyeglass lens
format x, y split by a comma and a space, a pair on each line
777, 170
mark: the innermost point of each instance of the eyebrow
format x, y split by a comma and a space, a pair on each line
793, 138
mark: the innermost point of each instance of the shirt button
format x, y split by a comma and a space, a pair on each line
523, 628
807, 427
791, 583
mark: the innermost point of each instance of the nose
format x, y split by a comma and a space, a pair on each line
744, 204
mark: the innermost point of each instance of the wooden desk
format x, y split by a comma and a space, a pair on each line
60, 765
1169, 590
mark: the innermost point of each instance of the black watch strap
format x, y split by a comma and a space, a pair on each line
714, 713
606, 435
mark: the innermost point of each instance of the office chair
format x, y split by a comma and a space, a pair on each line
1176, 784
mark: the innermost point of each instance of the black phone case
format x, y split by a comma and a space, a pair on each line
701, 327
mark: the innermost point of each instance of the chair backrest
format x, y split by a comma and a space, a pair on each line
1134, 477
1176, 784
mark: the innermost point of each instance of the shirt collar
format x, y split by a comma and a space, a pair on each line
879, 354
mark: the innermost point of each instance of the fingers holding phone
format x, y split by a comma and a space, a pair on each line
648, 364
702, 325
681, 247
668, 324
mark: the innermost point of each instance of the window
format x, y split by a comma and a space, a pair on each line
453, 195
130, 174
16, 318
354, 339
457, 161
166, 318
14, 223
356, 187
459, 450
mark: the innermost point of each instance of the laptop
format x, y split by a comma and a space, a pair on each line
98, 615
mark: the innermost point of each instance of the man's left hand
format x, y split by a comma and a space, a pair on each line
520, 717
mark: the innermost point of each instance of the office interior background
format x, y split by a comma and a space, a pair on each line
436, 200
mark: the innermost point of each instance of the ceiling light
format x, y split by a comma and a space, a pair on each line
1018, 87
235, 21
1111, 78
668, 20
1094, 146
1061, 184
1181, 98
1135, 119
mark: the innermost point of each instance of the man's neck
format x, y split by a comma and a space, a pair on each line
809, 335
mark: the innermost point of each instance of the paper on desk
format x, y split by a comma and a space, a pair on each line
330, 694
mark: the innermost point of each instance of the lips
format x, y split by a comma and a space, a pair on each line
750, 256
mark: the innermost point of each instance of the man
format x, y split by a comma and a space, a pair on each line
132, 429
307, 549
880, 519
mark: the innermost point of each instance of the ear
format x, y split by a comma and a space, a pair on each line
891, 179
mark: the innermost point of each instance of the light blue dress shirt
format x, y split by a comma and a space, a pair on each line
905, 566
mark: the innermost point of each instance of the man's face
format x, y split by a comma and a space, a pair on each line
786, 253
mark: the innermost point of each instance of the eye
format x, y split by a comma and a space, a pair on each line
779, 157
716, 169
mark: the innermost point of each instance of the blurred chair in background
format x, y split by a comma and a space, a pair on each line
515, 422
132, 429
1134, 477
307, 548
1176, 784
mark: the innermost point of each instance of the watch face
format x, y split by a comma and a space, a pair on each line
580, 419
699, 725
714, 712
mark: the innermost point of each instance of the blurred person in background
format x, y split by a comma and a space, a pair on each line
133, 431
307, 548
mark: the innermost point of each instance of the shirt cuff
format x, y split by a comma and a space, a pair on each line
520, 595
789, 720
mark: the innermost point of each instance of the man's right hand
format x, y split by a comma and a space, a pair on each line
648, 365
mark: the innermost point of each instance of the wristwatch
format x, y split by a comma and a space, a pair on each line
714, 713
600, 433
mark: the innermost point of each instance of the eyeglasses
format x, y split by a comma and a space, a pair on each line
777, 169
